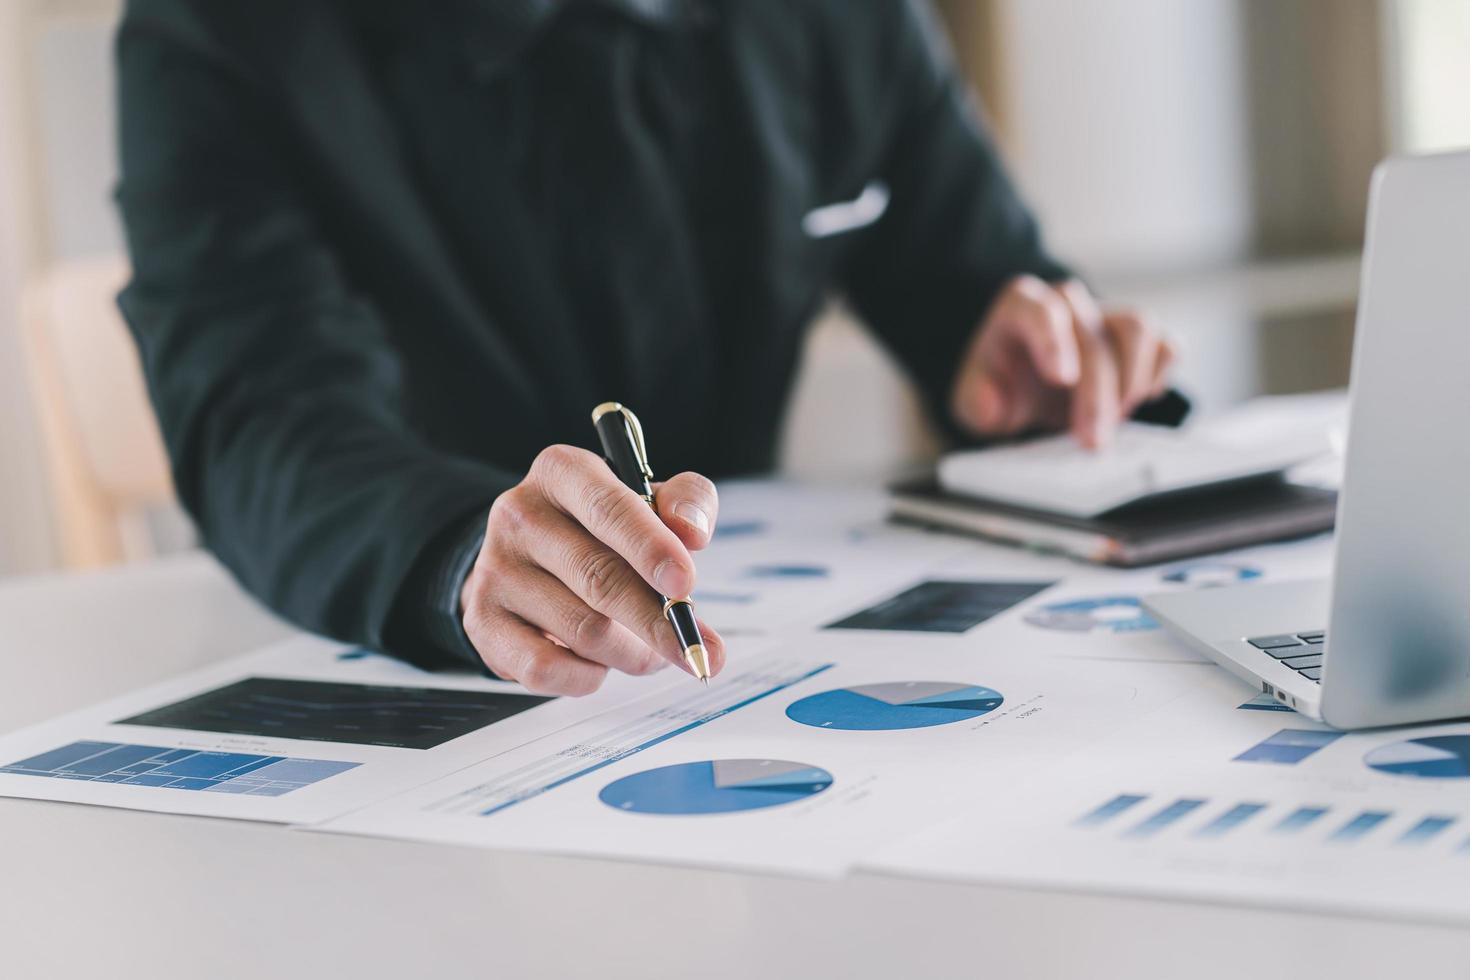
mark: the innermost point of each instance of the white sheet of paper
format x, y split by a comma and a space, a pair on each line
695, 776
1204, 800
346, 759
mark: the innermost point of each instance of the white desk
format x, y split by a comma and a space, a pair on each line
88, 892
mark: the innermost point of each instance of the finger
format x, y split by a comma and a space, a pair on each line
1022, 353
545, 602
603, 580
1095, 400
1082, 304
1136, 350
1041, 321
689, 505
1162, 363
1094, 410
519, 652
1026, 405
581, 486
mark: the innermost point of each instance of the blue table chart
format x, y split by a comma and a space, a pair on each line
894, 706
717, 786
190, 769
1289, 746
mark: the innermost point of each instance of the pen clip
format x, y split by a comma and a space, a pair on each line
638, 447
635, 434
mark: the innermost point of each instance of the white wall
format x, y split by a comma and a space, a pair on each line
25, 532
77, 125
1433, 55
57, 168
1130, 130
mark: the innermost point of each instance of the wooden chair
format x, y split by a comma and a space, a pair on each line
105, 458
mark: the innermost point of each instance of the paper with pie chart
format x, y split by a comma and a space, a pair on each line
1250, 806
712, 776
800, 758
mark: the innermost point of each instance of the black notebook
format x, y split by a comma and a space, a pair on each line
1159, 528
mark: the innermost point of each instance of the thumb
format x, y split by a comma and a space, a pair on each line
689, 504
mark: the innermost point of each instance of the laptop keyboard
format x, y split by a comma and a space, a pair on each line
1302, 652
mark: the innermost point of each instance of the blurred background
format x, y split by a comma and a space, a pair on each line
1207, 160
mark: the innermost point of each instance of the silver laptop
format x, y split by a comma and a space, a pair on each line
1387, 640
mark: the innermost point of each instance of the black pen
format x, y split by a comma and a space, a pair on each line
626, 454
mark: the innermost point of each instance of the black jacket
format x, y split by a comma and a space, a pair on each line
385, 252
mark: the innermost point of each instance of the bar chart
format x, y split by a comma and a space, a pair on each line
1137, 816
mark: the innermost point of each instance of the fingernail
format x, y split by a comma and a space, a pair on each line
668, 578
693, 515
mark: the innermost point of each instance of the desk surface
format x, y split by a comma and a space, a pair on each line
93, 892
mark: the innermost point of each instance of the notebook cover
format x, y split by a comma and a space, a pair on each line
1164, 528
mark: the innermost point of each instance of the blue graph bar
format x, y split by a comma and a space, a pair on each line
1170, 814
1425, 829
1288, 746
1230, 819
187, 769
1299, 819
1110, 809
1359, 825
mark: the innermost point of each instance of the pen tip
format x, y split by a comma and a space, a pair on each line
698, 661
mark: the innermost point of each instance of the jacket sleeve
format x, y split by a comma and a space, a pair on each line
279, 393
955, 230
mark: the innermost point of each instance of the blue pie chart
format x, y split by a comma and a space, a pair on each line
1207, 574
1434, 757
894, 706
716, 786
1112, 614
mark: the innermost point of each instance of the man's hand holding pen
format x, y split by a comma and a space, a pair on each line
565, 585
572, 577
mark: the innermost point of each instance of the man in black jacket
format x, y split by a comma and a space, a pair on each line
388, 255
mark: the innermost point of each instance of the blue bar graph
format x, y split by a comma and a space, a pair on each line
1299, 819
1359, 825
1288, 746
1170, 814
1230, 819
189, 769
1110, 809
1425, 829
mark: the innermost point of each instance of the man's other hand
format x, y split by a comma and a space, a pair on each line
1046, 357
563, 588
